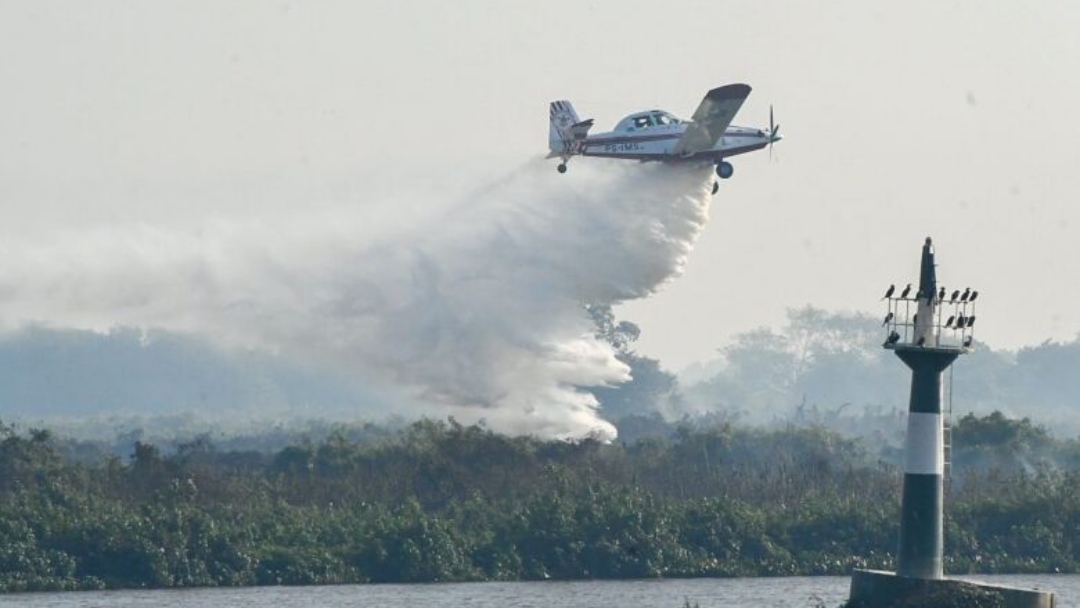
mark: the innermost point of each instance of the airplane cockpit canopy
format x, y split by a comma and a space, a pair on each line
646, 120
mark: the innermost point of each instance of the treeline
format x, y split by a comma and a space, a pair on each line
438, 501
831, 366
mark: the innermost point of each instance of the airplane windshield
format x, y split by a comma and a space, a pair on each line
644, 121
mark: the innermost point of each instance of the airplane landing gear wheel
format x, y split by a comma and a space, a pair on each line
724, 169
715, 187
561, 167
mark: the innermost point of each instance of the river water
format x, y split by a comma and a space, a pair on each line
801, 592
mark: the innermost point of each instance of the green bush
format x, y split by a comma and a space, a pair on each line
445, 502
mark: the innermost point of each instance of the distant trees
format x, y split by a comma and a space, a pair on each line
821, 365
816, 367
999, 443
817, 359
651, 388
998, 431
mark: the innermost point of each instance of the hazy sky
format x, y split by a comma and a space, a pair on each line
950, 119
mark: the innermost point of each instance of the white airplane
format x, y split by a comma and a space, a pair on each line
659, 136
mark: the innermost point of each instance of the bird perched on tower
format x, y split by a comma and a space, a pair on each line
907, 290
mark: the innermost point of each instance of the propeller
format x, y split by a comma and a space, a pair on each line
773, 130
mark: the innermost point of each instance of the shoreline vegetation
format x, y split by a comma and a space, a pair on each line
439, 501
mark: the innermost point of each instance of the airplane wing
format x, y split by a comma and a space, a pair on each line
712, 118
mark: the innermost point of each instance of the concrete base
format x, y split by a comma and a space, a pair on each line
876, 589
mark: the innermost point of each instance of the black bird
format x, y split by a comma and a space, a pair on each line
906, 291
971, 321
967, 294
888, 318
955, 294
974, 295
941, 295
968, 340
893, 338
960, 322
950, 321
889, 292
914, 319
922, 340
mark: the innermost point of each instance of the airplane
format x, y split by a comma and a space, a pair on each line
655, 135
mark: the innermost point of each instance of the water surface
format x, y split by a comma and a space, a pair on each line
801, 592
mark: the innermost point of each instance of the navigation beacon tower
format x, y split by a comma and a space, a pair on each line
928, 346
927, 330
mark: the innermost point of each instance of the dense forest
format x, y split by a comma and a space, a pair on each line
439, 501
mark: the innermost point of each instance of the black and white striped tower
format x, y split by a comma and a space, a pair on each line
917, 334
928, 355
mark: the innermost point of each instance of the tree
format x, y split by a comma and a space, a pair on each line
650, 389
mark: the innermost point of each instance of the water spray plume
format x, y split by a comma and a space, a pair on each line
477, 309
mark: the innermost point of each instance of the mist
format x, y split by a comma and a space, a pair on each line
828, 368
473, 308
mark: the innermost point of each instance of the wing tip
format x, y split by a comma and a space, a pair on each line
730, 91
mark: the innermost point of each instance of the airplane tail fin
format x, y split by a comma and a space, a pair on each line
567, 130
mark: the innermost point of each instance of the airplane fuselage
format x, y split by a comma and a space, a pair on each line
657, 143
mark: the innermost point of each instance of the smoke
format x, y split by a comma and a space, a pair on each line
475, 308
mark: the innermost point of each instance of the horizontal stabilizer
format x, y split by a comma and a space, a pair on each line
581, 129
